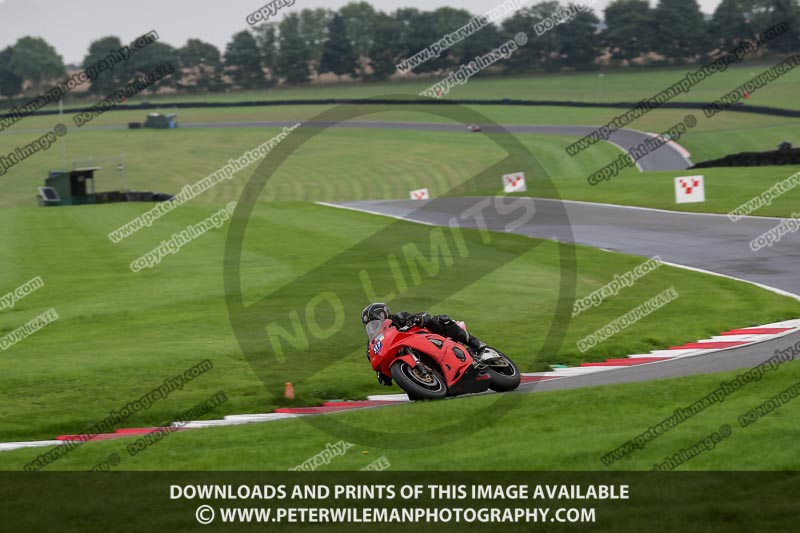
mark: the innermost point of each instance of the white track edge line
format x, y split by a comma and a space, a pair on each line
676, 265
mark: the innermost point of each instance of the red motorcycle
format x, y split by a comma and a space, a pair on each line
429, 366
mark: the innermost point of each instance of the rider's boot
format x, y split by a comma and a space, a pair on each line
475, 345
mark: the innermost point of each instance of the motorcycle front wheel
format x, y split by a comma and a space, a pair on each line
428, 385
504, 373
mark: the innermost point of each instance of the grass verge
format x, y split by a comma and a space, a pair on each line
122, 333
585, 424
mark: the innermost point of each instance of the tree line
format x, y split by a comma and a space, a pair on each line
362, 43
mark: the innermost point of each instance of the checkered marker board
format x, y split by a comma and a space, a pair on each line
419, 194
514, 182
689, 189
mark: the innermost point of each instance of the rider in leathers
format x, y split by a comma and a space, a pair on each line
439, 324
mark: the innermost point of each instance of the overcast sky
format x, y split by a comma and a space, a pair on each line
70, 25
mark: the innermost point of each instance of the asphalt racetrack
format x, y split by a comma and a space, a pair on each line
721, 361
706, 241
666, 157
709, 242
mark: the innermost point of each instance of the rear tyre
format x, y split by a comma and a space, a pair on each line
419, 386
504, 373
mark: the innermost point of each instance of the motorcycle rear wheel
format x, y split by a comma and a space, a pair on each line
417, 385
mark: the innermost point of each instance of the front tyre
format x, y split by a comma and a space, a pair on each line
419, 385
504, 373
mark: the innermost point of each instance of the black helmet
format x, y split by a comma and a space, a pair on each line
376, 311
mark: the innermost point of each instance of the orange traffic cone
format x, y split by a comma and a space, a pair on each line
288, 391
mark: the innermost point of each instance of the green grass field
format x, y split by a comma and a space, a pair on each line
585, 423
337, 165
122, 333
613, 86
726, 189
358, 164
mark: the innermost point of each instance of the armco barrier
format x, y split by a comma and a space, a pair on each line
762, 110
755, 159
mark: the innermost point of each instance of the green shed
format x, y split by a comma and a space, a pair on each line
73, 187
157, 120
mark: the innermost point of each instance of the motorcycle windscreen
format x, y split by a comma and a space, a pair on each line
373, 327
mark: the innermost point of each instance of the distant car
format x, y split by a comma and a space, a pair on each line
474, 128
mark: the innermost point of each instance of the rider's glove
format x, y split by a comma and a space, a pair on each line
383, 379
420, 319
